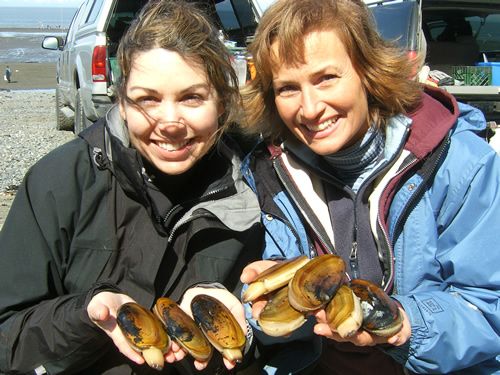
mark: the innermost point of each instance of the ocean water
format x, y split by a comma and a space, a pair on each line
22, 30
36, 17
26, 46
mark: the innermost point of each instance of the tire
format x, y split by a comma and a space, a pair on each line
81, 120
64, 119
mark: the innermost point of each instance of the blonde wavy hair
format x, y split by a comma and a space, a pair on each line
384, 69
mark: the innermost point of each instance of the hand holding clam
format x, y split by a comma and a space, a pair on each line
102, 310
233, 306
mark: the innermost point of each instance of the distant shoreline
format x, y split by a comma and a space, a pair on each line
43, 30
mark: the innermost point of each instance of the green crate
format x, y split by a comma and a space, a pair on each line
473, 75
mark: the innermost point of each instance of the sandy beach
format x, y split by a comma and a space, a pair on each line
28, 76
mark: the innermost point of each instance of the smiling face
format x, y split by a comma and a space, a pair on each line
171, 112
322, 102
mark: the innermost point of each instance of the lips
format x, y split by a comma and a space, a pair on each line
173, 146
322, 126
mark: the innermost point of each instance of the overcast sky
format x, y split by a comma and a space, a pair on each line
38, 3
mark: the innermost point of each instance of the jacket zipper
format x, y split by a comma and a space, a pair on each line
188, 219
412, 202
410, 205
302, 205
387, 284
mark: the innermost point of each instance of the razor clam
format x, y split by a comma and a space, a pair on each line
274, 278
314, 285
144, 332
219, 326
343, 312
183, 329
278, 318
381, 314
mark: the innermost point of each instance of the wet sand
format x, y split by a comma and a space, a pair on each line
27, 76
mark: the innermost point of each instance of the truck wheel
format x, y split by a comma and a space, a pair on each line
64, 115
81, 120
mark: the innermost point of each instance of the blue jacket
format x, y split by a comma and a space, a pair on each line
436, 216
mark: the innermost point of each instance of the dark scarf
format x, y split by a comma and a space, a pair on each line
357, 160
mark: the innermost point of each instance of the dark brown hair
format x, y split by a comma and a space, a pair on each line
184, 28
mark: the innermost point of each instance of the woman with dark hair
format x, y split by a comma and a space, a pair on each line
147, 202
361, 161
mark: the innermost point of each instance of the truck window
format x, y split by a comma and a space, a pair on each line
96, 6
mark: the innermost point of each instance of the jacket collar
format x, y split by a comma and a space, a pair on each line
128, 168
432, 120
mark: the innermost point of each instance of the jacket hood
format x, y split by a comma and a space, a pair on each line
432, 120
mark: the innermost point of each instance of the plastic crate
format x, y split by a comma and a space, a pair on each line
472, 75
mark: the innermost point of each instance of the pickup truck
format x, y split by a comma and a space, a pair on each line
87, 69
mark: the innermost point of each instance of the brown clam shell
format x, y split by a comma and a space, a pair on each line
314, 285
278, 318
381, 314
219, 326
144, 332
183, 329
274, 278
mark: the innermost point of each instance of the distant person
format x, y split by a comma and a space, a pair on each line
8, 74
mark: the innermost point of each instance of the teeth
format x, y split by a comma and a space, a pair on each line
172, 146
322, 126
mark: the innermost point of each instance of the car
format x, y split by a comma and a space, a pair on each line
86, 68
460, 36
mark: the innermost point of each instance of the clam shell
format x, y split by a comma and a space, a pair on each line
278, 318
219, 326
274, 278
314, 285
380, 313
183, 329
144, 332
343, 312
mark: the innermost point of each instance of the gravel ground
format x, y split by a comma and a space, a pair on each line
27, 132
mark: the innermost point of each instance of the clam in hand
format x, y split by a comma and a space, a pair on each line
274, 278
343, 312
381, 314
219, 326
314, 284
278, 318
144, 332
183, 329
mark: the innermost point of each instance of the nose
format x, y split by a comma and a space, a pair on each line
168, 112
311, 106
169, 118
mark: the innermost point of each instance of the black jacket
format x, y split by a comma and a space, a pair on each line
83, 221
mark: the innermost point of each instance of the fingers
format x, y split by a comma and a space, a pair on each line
98, 312
229, 365
200, 365
176, 353
251, 271
404, 334
257, 307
